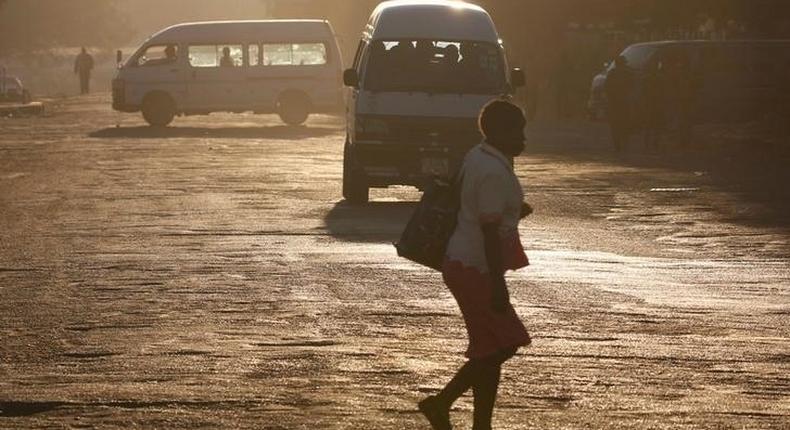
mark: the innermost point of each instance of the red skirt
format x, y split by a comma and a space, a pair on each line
489, 332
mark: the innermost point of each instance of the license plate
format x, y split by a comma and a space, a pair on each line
435, 166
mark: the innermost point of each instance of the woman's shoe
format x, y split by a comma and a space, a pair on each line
437, 414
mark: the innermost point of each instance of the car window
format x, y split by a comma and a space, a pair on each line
441, 66
156, 55
294, 54
216, 56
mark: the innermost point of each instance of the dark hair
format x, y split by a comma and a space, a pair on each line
499, 117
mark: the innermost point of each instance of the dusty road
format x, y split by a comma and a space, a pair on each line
210, 276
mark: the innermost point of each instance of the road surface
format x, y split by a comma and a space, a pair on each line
210, 276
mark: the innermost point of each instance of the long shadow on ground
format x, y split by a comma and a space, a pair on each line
281, 132
375, 222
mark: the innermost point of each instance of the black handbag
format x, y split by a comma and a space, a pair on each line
424, 240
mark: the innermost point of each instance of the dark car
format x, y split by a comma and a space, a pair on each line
728, 80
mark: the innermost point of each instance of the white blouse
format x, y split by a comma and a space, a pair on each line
490, 192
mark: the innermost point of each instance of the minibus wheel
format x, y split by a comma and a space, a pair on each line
355, 187
159, 109
293, 107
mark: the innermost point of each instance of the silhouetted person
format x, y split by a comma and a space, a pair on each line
424, 52
619, 83
451, 55
450, 67
402, 61
226, 60
564, 85
83, 66
170, 53
402, 53
469, 55
485, 244
379, 64
681, 94
470, 64
653, 105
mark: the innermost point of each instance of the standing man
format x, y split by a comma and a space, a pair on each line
652, 105
83, 66
619, 83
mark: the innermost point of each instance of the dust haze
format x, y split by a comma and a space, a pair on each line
202, 235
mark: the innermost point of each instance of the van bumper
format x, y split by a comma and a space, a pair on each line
410, 150
406, 163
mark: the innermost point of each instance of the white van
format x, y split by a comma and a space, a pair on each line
292, 68
421, 74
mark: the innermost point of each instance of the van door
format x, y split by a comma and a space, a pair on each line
217, 76
159, 68
285, 66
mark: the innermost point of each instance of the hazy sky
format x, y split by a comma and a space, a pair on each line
149, 16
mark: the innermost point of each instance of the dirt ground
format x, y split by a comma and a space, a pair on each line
210, 276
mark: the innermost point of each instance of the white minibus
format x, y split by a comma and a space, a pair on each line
421, 74
289, 67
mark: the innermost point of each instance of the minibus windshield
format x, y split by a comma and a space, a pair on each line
435, 66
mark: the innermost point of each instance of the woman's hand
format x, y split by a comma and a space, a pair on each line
493, 249
526, 210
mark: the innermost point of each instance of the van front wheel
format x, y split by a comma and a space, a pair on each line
158, 109
355, 187
293, 108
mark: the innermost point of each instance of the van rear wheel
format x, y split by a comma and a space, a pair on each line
159, 109
293, 108
355, 187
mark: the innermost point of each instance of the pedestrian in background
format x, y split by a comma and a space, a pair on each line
484, 246
681, 93
83, 66
653, 105
618, 87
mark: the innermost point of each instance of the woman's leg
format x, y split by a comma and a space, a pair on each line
470, 374
485, 389
485, 392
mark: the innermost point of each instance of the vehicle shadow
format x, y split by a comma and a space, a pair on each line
281, 132
375, 222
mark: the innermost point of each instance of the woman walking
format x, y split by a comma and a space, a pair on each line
484, 246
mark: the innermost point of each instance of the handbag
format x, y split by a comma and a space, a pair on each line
425, 238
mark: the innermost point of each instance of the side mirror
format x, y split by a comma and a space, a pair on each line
351, 78
118, 57
517, 78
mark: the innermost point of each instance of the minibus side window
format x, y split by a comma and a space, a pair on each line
216, 56
294, 54
156, 55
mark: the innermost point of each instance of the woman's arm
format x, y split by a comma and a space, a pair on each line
493, 250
